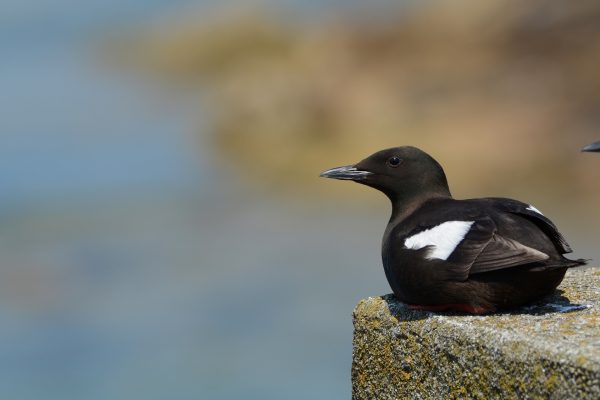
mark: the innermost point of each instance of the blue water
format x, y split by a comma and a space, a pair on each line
68, 127
131, 265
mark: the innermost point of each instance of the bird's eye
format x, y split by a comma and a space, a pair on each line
394, 161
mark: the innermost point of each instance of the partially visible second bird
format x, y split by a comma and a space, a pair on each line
475, 255
592, 147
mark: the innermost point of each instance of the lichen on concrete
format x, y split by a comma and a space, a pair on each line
548, 350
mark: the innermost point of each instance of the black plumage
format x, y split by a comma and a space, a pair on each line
475, 255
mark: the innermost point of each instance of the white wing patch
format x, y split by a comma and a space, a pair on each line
532, 208
444, 238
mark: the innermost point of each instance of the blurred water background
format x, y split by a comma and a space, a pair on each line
163, 232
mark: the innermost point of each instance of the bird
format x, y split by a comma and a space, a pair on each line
592, 147
443, 254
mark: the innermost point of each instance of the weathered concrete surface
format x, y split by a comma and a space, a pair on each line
550, 350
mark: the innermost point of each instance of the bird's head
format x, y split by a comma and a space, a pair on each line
399, 172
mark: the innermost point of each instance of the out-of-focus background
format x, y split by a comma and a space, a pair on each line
163, 232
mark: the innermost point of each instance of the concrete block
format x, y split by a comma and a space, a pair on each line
549, 350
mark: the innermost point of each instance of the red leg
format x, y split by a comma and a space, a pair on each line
468, 308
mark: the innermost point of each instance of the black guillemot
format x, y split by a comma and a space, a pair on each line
475, 255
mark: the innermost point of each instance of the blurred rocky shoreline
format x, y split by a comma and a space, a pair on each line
503, 93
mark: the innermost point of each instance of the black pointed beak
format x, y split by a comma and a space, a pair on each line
348, 172
592, 147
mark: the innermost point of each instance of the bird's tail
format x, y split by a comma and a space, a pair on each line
578, 263
564, 263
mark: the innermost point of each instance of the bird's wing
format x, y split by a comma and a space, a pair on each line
484, 250
534, 215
